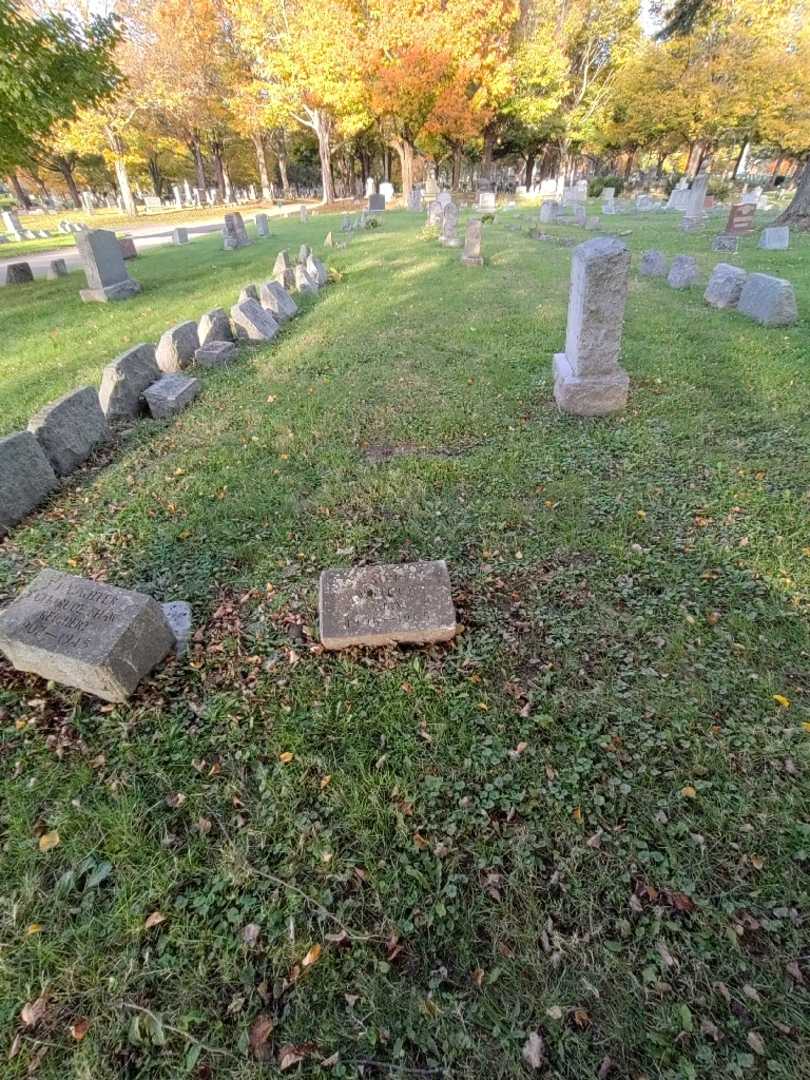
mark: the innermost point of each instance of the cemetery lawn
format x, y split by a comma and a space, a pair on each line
587, 819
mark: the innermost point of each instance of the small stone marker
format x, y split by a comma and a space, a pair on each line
376, 204
683, 272
741, 219
251, 322
768, 300
177, 346
303, 282
304, 253
283, 271
775, 238
81, 633
303, 214
214, 326
180, 236
124, 380
170, 395
26, 478
434, 214
380, 605
178, 615
277, 301
57, 268
653, 264
588, 380
248, 292
448, 236
580, 214
725, 286
68, 430
215, 354
329, 241
471, 256
107, 276
127, 245
727, 244
19, 273
262, 225
549, 211
317, 271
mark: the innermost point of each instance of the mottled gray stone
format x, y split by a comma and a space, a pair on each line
380, 605
177, 346
262, 225
248, 292
450, 215
283, 271
214, 326
82, 633
316, 270
588, 380
180, 236
768, 300
178, 615
471, 256
653, 264
57, 268
128, 249
251, 322
215, 354
69, 429
234, 232
19, 273
303, 282
683, 272
26, 478
171, 394
549, 211
775, 238
725, 286
107, 276
725, 243
277, 301
124, 380
304, 253
376, 203
434, 214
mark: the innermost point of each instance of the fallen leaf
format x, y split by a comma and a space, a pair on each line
756, 1042
175, 801
780, 699
534, 1051
286, 757
478, 977
752, 993
260, 1031
582, 1019
34, 928
325, 781
312, 956
290, 1055
555, 1012
757, 862
79, 1029
688, 792
155, 919
328, 1062
250, 934
49, 840
33, 1011
420, 841
708, 1029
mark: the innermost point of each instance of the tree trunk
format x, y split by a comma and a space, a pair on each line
121, 174
386, 164
404, 151
20, 195
798, 213
282, 172
528, 172
199, 164
65, 167
486, 159
742, 160
456, 181
155, 175
261, 158
704, 153
628, 165
219, 169
322, 126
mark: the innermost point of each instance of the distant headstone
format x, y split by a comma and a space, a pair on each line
283, 271
127, 245
434, 215
381, 605
593, 222
303, 282
679, 196
725, 286
11, 224
82, 633
124, 380
251, 322
248, 292
215, 354
471, 255
26, 478
262, 225
371, 186
695, 211
180, 236
387, 191
775, 238
588, 380
486, 200
316, 270
580, 214
329, 241
171, 394
57, 268
303, 214
376, 203
683, 272
448, 236
177, 346
740, 219
68, 430
653, 264
234, 233
768, 300
549, 211
18, 274
275, 299
415, 199
215, 325
752, 197
725, 243
107, 276
444, 198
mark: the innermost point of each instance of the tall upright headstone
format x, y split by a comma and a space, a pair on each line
472, 244
588, 380
104, 267
448, 236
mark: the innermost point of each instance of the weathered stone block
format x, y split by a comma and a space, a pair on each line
683, 272
170, 395
26, 478
214, 326
252, 323
128, 249
304, 253
590, 395
19, 273
262, 226
317, 271
215, 354
107, 276
57, 268
471, 256
177, 346
248, 292
68, 430
768, 300
725, 243
380, 605
549, 211
82, 633
725, 286
303, 282
775, 238
178, 615
180, 236
653, 264
283, 271
124, 380
277, 301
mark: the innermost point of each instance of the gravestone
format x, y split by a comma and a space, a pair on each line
303, 282
152, 202
752, 197
124, 380
215, 353
415, 199
683, 272
608, 200
371, 186
679, 196
127, 245
262, 225
695, 210
251, 322
329, 241
580, 214
471, 255
593, 223
740, 219
19, 274
448, 236
376, 203
303, 214
26, 478
234, 233
57, 268
283, 271
588, 380
434, 215
725, 286
486, 200
11, 224
275, 299
68, 430
768, 300
444, 198
725, 243
215, 325
81, 633
177, 346
107, 276
549, 211
171, 394
381, 605
387, 191
248, 292
317, 271
180, 236
304, 253
775, 238
653, 264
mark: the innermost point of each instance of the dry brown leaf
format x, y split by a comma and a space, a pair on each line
155, 919
688, 792
478, 977
290, 1055
534, 1051
708, 1029
311, 957
555, 1012
33, 1011
795, 972
49, 840
79, 1029
582, 1019
286, 757
260, 1031
756, 1042
175, 801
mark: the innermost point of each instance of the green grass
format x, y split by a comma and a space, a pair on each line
504, 844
